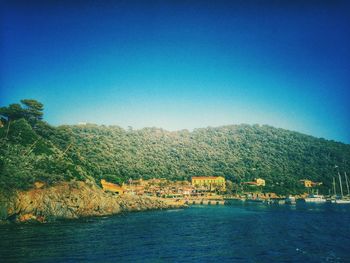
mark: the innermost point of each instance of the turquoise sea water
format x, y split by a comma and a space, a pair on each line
235, 233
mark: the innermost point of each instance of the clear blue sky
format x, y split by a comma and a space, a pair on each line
181, 64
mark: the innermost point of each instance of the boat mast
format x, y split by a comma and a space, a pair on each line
335, 193
341, 188
347, 183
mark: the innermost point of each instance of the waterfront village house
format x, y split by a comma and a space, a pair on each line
257, 182
187, 190
309, 183
136, 187
110, 187
211, 182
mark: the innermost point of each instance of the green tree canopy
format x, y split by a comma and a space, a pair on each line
32, 111
240, 153
12, 112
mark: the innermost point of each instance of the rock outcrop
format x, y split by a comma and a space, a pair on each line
70, 200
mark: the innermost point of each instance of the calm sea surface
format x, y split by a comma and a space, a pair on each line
236, 233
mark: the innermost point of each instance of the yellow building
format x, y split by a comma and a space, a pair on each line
110, 187
309, 183
260, 182
210, 182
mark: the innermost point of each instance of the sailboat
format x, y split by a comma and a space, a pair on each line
342, 199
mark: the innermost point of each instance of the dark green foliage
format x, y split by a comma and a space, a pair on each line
32, 111
20, 132
12, 112
112, 178
26, 157
37, 151
238, 152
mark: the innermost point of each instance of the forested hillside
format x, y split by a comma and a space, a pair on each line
33, 150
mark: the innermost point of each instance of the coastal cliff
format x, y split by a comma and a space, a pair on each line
72, 200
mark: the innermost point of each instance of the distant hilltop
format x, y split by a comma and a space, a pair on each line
37, 151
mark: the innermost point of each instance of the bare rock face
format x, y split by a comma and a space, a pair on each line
66, 200
71, 200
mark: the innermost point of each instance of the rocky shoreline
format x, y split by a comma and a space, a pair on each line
73, 200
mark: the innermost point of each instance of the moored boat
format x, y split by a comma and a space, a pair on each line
290, 200
341, 201
315, 199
